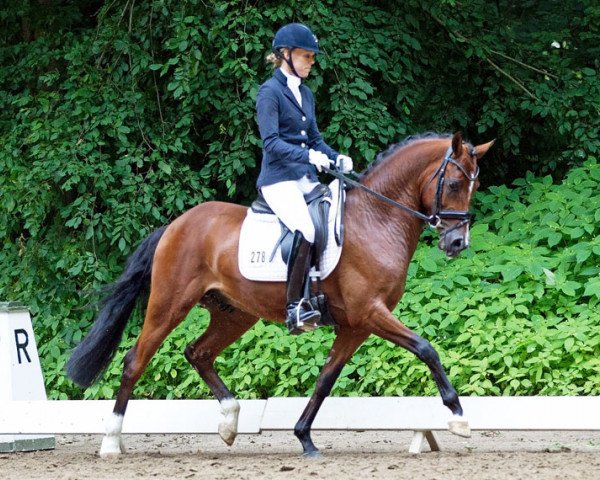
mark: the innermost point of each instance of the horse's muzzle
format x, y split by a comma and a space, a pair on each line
454, 241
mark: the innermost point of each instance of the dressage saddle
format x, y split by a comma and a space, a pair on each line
319, 203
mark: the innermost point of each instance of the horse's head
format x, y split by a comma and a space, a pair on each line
451, 183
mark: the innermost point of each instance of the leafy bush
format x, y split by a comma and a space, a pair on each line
115, 117
518, 313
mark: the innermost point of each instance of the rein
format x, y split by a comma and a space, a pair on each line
434, 220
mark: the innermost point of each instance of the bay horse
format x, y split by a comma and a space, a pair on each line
193, 261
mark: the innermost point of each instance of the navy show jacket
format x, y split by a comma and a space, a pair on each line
288, 131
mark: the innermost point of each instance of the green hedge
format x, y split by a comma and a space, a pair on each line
516, 314
115, 117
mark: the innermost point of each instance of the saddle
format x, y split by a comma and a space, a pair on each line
319, 204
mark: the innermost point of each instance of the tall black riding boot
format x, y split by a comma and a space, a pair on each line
301, 317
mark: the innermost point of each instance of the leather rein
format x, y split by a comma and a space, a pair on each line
435, 219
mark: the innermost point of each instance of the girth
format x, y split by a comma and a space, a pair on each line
319, 202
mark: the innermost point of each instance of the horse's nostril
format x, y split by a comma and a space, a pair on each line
457, 243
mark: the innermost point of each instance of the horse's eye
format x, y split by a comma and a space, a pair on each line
453, 185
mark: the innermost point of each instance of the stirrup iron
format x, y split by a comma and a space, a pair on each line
301, 317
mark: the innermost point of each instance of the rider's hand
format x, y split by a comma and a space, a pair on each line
318, 159
344, 163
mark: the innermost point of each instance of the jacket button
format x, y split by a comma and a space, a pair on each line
303, 132
303, 118
303, 145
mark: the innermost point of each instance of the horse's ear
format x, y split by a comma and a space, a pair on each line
481, 150
457, 144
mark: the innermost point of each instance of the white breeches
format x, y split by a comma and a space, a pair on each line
286, 199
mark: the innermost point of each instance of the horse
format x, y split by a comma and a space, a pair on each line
193, 260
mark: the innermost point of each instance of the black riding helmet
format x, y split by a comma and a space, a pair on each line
294, 35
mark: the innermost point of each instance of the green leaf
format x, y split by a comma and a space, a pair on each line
583, 253
569, 342
429, 265
592, 288
165, 167
461, 280
570, 287
510, 272
550, 277
554, 239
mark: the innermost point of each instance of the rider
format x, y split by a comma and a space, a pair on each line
293, 151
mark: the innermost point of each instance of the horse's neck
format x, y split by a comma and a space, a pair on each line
400, 178
392, 231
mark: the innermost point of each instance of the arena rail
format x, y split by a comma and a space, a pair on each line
422, 415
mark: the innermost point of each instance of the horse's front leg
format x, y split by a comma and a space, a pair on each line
388, 327
344, 346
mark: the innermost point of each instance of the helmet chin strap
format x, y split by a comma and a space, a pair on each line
288, 61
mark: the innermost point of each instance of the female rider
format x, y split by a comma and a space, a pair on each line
293, 151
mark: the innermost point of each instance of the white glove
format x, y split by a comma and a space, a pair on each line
344, 163
318, 159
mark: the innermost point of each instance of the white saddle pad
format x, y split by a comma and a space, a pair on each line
259, 235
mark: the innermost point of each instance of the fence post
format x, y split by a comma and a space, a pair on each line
20, 372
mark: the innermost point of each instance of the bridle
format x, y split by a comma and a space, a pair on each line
435, 219
464, 217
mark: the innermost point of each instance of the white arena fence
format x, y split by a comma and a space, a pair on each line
422, 415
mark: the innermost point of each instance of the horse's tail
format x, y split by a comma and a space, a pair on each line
91, 357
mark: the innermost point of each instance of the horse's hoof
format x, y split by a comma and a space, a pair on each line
313, 454
111, 447
230, 408
459, 426
109, 455
227, 434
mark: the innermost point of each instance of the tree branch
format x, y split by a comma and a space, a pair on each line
503, 72
513, 79
544, 72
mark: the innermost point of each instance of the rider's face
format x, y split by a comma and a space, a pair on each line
303, 61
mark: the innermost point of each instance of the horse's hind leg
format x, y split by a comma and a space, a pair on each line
226, 326
388, 327
164, 312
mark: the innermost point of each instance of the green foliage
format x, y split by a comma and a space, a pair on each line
518, 312
530, 70
115, 117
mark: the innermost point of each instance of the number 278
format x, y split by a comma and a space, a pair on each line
258, 256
